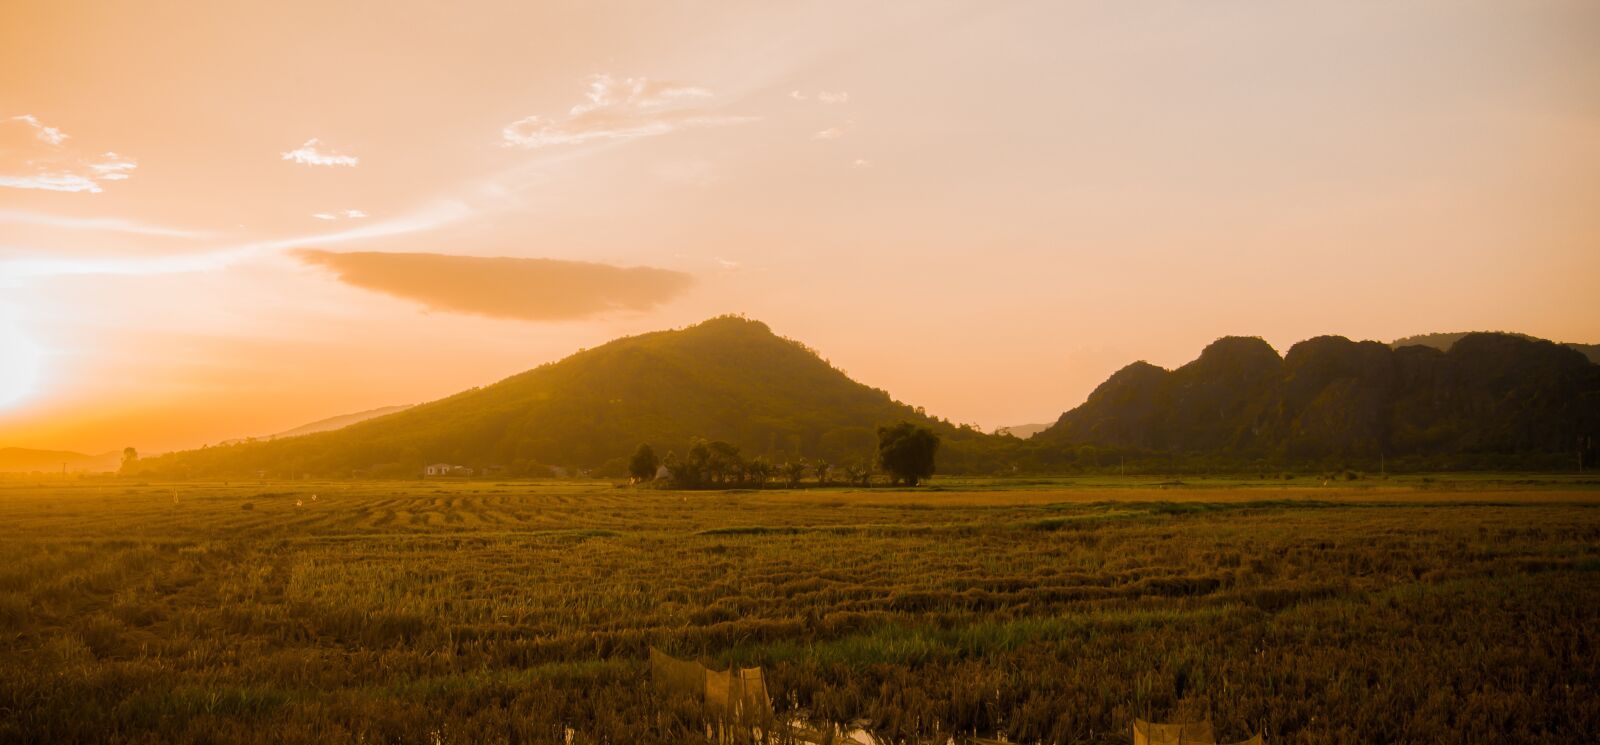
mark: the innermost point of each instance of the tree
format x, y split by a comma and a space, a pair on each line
794, 471
129, 457
758, 471
906, 451
642, 466
696, 466
821, 467
726, 465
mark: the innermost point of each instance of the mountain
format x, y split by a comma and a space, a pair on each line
331, 423
1489, 398
24, 460
726, 379
1443, 342
1213, 403
1022, 431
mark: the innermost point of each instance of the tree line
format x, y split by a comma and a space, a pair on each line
906, 454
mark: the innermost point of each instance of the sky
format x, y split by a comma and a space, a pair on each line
221, 220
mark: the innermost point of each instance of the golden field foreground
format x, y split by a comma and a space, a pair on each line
522, 612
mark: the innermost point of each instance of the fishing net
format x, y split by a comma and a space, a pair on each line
1189, 733
735, 695
675, 677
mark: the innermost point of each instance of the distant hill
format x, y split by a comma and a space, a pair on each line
1443, 342
1490, 400
1022, 431
25, 460
727, 378
339, 422
1329, 398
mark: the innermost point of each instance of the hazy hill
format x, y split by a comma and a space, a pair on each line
331, 423
1443, 342
1022, 431
1492, 400
25, 460
1330, 397
727, 378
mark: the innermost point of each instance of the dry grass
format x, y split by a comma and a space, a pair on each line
485, 612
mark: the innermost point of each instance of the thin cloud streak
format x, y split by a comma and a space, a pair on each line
625, 109
45, 134
67, 182
114, 169
825, 97
429, 217
107, 224
341, 214
312, 154
40, 160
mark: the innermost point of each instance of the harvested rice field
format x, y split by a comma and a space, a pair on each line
524, 612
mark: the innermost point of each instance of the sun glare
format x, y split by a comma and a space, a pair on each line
20, 363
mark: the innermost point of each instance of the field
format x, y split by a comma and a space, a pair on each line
521, 612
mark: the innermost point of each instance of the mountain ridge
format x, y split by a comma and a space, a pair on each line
1490, 399
326, 424
728, 378
1443, 342
31, 460
1331, 397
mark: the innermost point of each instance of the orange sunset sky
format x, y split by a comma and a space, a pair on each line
228, 219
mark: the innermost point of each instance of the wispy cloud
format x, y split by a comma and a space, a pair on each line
69, 182
644, 93
433, 215
316, 153
34, 156
50, 135
347, 214
623, 109
861, 163
109, 224
827, 97
113, 167
502, 287
834, 132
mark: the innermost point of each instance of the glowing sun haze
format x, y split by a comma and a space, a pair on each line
220, 219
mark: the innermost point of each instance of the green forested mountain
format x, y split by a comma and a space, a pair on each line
727, 379
1491, 399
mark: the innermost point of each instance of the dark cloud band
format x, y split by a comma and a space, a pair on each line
502, 287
